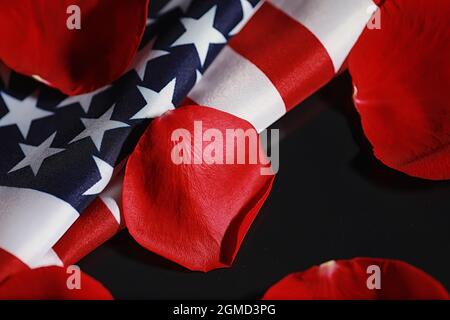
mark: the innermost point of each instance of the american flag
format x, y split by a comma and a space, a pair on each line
61, 158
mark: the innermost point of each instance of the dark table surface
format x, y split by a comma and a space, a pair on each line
331, 200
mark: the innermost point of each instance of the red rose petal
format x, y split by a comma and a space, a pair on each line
51, 283
36, 41
195, 215
401, 75
347, 280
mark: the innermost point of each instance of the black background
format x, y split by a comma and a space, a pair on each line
331, 200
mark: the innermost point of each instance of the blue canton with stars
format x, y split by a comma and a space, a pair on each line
69, 146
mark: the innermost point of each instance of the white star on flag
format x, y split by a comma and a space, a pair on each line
35, 155
144, 56
96, 128
201, 33
156, 103
106, 172
22, 112
173, 4
84, 99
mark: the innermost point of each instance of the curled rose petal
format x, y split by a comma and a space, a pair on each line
193, 214
401, 74
358, 279
37, 40
51, 283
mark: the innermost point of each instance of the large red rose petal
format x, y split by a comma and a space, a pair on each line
193, 214
401, 75
348, 280
50, 283
36, 40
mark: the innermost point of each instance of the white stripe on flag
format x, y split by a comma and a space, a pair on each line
112, 195
49, 259
31, 222
336, 23
235, 85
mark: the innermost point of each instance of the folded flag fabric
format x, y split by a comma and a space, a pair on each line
286, 52
100, 221
58, 153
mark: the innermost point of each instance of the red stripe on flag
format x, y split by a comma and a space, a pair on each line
287, 52
9, 265
94, 227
